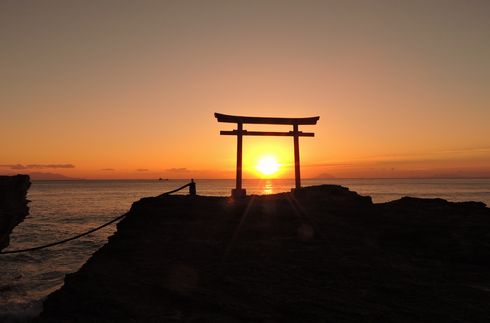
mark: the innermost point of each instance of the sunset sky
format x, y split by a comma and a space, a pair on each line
128, 89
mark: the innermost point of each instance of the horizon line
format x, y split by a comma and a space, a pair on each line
232, 179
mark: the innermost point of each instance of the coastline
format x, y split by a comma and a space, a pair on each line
13, 204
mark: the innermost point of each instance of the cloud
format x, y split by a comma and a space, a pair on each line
431, 156
40, 166
183, 169
16, 167
107, 169
37, 166
142, 169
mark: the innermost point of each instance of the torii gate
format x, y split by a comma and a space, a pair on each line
240, 132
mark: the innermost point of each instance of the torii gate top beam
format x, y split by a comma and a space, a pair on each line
265, 120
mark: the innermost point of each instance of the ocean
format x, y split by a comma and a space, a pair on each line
60, 209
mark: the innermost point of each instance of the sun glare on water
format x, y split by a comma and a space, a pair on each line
267, 166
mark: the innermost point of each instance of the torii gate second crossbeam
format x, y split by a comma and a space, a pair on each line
240, 132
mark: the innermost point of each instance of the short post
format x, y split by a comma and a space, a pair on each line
192, 188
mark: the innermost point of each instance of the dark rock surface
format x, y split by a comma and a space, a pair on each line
13, 204
324, 254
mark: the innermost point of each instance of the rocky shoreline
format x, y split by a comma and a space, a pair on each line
13, 204
323, 254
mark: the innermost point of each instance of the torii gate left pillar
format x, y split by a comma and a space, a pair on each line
238, 191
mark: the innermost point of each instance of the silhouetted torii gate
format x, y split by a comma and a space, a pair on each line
240, 132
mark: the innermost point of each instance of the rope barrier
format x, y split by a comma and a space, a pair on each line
192, 191
180, 188
65, 240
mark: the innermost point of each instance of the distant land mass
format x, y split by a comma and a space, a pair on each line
50, 176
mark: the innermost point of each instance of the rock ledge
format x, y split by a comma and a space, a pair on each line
13, 204
334, 257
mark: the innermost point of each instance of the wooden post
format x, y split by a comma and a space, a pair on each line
192, 187
297, 176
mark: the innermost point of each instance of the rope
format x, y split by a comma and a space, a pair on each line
176, 190
87, 232
65, 240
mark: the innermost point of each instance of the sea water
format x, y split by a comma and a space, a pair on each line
60, 209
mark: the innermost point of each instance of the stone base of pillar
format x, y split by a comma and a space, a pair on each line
238, 193
297, 191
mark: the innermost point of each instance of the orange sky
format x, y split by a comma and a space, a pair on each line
125, 89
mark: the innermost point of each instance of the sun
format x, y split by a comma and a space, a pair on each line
267, 165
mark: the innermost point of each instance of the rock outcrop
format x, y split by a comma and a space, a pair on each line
324, 254
13, 204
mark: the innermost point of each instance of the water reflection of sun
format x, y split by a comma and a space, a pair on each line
267, 187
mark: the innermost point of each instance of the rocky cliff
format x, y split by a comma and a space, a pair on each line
323, 254
13, 204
